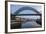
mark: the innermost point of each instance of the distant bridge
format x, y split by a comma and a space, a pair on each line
23, 19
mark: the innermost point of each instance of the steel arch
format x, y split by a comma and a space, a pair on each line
26, 8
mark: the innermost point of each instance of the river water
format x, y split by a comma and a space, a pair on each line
30, 24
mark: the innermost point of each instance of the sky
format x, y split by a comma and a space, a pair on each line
14, 8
